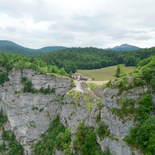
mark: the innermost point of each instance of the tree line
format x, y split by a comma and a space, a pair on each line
72, 59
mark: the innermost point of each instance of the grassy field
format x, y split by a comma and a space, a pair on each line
106, 73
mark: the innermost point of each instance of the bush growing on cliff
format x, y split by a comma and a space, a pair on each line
85, 142
13, 146
3, 118
28, 87
103, 130
142, 136
57, 137
3, 77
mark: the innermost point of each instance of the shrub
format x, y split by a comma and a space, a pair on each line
3, 77
23, 79
102, 130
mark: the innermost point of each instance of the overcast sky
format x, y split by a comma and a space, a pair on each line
78, 23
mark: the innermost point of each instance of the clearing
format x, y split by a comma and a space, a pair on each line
105, 74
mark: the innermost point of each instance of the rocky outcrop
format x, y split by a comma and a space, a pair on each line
73, 114
29, 115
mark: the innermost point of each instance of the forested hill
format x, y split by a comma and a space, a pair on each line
11, 47
94, 58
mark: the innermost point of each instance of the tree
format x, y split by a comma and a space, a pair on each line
19, 65
62, 71
146, 135
118, 71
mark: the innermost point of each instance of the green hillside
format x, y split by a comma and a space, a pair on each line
106, 73
11, 47
93, 58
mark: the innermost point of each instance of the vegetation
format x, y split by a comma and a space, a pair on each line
104, 74
92, 86
102, 130
11, 47
127, 110
3, 77
28, 87
13, 146
3, 118
74, 95
9, 61
142, 135
85, 142
89, 105
57, 137
93, 58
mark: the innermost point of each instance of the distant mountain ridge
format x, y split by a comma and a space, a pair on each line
124, 47
11, 47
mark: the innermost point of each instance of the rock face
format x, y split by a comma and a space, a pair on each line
73, 114
29, 115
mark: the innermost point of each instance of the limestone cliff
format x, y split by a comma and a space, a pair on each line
29, 115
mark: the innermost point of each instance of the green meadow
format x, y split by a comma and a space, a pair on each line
105, 74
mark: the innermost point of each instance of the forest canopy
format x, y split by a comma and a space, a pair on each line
72, 59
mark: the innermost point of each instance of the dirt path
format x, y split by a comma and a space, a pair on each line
78, 86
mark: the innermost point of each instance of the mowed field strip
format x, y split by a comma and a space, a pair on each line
105, 74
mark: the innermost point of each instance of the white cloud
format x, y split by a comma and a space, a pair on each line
38, 23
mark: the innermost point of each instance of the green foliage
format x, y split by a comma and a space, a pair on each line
93, 58
102, 130
23, 80
144, 62
89, 105
28, 87
152, 82
103, 86
145, 108
119, 72
142, 136
146, 135
73, 83
147, 74
107, 151
109, 83
130, 60
126, 111
85, 141
9, 61
92, 86
98, 117
3, 118
62, 71
3, 77
137, 81
14, 147
73, 94
11, 47
57, 137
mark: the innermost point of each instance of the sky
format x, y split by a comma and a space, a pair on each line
78, 23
